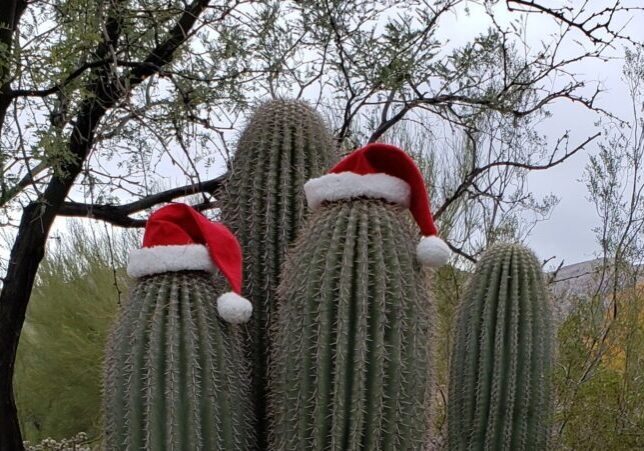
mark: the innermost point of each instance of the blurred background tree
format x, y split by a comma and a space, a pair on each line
601, 343
60, 357
600, 406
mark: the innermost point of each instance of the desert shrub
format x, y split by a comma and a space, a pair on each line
598, 377
59, 361
76, 443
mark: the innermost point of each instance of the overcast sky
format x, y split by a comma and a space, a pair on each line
568, 234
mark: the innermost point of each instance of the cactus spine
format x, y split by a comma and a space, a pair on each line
176, 377
500, 389
284, 144
349, 369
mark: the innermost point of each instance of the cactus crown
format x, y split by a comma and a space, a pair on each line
500, 389
284, 144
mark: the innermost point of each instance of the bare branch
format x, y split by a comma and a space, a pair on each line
591, 26
471, 177
119, 215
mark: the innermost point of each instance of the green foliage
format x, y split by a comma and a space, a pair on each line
447, 288
500, 373
176, 376
600, 389
59, 361
350, 366
284, 144
51, 147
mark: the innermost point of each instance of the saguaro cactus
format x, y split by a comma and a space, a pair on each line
500, 388
284, 144
349, 368
350, 365
176, 378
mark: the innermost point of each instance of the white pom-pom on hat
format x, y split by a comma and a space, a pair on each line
381, 171
234, 308
432, 251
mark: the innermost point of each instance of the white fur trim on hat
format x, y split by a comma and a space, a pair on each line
159, 259
432, 251
349, 185
234, 308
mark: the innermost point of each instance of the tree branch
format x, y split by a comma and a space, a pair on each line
105, 91
119, 215
584, 25
471, 177
71, 77
10, 14
460, 252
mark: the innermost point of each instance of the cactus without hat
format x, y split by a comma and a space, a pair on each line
283, 145
500, 388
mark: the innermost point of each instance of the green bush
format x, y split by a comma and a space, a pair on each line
59, 362
598, 377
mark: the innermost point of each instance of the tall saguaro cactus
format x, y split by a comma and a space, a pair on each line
500, 388
284, 144
176, 377
349, 368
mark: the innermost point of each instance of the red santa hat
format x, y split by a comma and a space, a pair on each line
381, 171
179, 238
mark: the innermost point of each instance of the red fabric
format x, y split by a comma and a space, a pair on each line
384, 158
180, 224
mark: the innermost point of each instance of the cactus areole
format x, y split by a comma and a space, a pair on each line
350, 368
176, 377
500, 387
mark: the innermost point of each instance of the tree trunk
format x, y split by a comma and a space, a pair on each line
26, 255
10, 437
29, 248
10, 14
